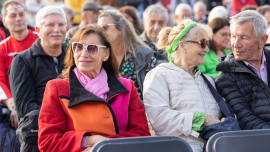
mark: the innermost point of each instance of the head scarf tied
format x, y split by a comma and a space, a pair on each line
178, 38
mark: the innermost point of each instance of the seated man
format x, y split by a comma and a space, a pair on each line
155, 17
244, 77
32, 69
182, 11
90, 13
20, 39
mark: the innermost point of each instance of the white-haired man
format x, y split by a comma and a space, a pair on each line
199, 10
32, 69
245, 74
20, 39
155, 17
182, 11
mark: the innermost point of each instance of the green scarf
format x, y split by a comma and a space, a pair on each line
178, 38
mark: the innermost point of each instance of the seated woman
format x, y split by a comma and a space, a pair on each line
129, 12
92, 103
133, 56
177, 100
218, 44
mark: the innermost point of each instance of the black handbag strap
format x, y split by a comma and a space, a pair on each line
227, 111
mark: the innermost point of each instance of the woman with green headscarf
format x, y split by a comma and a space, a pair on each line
177, 100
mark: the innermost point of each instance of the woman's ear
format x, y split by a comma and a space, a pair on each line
106, 54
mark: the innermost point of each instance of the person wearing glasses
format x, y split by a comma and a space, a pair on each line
20, 39
134, 58
177, 100
92, 102
33, 68
218, 45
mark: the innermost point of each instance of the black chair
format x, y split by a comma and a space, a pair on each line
240, 141
143, 144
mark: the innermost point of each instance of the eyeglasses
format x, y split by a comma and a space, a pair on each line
106, 26
92, 49
203, 42
12, 10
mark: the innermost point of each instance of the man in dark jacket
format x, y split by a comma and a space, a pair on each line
244, 77
155, 17
33, 68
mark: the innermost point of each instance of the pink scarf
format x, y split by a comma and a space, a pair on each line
98, 86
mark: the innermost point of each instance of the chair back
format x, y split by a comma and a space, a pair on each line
143, 144
240, 141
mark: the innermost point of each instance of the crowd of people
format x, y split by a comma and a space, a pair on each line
118, 75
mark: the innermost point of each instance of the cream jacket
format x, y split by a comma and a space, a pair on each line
171, 96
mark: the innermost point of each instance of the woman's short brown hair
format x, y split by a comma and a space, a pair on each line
111, 65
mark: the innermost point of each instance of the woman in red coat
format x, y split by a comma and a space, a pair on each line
92, 103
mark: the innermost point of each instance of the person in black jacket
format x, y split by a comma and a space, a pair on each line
33, 68
245, 75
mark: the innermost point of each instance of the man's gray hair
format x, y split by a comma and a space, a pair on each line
258, 21
157, 9
218, 12
182, 6
199, 4
49, 10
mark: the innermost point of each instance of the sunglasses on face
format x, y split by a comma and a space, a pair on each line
106, 26
12, 10
92, 49
203, 42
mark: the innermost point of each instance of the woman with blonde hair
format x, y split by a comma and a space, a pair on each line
134, 58
177, 99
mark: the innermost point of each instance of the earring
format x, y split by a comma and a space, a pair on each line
104, 59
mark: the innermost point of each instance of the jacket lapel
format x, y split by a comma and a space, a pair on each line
79, 95
267, 56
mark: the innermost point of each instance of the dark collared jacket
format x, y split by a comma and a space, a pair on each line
29, 73
69, 112
160, 54
245, 92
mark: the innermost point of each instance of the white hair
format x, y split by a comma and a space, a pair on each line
258, 21
198, 4
49, 10
182, 6
157, 9
218, 12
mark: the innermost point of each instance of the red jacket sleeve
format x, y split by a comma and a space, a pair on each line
53, 135
137, 125
5, 92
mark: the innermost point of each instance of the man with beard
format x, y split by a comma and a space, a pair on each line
20, 39
155, 17
32, 69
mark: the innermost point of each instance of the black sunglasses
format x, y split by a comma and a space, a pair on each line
203, 42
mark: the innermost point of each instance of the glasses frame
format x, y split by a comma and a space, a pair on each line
85, 47
15, 9
200, 43
106, 26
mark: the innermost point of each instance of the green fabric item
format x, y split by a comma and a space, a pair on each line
178, 38
195, 69
211, 62
198, 120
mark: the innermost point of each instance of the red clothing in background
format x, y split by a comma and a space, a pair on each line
237, 5
8, 48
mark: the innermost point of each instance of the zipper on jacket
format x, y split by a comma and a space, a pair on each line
13, 143
200, 92
3, 139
